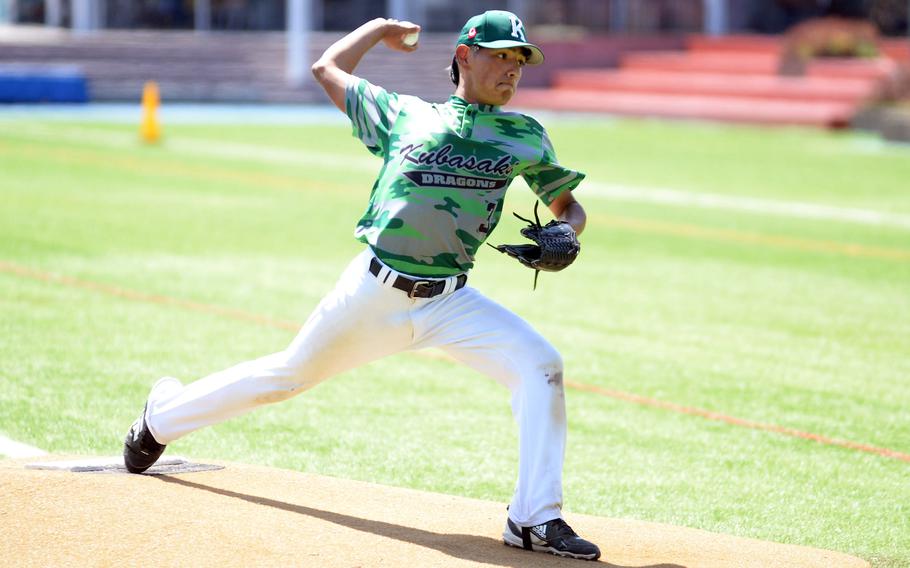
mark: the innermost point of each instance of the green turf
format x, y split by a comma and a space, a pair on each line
762, 317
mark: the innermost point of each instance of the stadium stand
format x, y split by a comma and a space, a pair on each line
240, 67
733, 78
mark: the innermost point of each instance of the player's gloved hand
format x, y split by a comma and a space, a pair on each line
556, 246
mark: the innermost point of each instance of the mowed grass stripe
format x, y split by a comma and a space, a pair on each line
221, 311
711, 415
651, 226
24, 271
146, 166
762, 206
156, 165
183, 146
195, 146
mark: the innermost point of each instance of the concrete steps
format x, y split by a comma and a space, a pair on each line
897, 50
880, 68
731, 79
697, 62
768, 45
215, 66
715, 108
770, 87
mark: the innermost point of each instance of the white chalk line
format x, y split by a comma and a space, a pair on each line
14, 449
616, 192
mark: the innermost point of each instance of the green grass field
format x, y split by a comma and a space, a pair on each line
758, 313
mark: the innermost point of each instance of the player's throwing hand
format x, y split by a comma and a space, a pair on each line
401, 36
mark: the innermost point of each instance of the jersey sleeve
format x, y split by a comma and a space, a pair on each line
547, 178
372, 111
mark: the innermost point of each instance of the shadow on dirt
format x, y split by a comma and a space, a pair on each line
472, 548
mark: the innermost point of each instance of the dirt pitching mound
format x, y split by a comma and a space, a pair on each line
254, 516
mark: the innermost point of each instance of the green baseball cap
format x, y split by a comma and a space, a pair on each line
497, 29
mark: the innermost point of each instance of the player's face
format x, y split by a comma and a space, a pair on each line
494, 74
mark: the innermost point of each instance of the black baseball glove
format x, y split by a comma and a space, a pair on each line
556, 245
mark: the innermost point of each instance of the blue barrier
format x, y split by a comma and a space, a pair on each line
34, 84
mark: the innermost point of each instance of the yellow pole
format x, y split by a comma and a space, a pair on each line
149, 130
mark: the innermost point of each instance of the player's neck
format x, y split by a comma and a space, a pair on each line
464, 92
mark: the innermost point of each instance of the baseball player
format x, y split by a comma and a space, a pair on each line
439, 194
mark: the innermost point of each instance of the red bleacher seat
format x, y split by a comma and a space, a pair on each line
734, 78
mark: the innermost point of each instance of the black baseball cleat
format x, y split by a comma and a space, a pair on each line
555, 537
140, 449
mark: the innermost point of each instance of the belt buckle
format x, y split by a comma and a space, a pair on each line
418, 284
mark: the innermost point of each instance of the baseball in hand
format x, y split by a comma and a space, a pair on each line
410, 40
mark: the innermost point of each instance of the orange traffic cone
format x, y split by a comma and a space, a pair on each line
149, 129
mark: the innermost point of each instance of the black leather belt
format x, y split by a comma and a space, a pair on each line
418, 288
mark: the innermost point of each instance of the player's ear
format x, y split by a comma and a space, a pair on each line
461, 55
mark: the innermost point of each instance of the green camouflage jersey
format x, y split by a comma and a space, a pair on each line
446, 168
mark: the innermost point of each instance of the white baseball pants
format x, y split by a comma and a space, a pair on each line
362, 320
